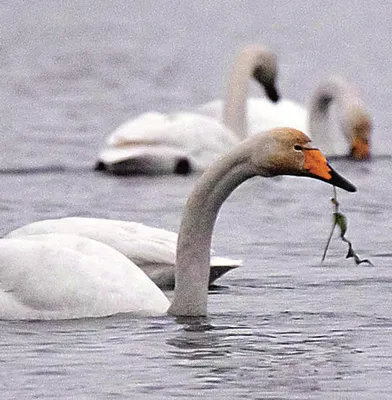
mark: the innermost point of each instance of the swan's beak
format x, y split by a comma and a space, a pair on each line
272, 93
360, 149
268, 83
317, 167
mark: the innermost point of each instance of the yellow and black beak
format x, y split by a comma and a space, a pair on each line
360, 149
317, 167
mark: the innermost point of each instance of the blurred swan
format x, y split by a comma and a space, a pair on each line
58, 276
155, 143
152, 249
351, 136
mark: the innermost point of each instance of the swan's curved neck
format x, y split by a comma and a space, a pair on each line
327, 139
194, 241
235, 105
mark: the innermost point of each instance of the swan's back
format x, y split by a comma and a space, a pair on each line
263, 114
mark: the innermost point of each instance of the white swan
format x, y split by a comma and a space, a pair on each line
79, 277
353, 118
58, 276
152, 249
155, 143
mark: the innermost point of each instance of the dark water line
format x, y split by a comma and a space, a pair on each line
47, 169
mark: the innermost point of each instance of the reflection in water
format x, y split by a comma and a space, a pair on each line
47, 169
205, 349
195, 337
237, 354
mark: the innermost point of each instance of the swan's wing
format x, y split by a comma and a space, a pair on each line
140, 243
144, 245
204, 138
146, 126
59, 276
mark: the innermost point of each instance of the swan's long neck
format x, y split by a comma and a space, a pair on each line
328, 140
194, 241
235, 105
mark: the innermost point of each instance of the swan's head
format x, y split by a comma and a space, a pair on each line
354, 118
287, 151
264, 68
358, 126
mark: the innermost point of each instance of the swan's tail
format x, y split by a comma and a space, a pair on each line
220, 266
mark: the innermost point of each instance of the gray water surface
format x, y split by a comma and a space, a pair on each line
282, 326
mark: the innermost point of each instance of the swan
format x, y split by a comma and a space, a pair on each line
352, 115
151, 249
155, 143
57, 276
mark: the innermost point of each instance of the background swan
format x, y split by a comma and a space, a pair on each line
352, 118
152, 249
79, 277
180, 143
346, 135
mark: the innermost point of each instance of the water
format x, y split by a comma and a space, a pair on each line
281, 327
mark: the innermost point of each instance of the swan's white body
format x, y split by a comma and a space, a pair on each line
58, 276
151, 249
61, 276
155, 143
333, 136
263, 114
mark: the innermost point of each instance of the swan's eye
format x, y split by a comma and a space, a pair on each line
297, 147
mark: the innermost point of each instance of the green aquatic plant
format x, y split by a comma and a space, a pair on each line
340, 220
